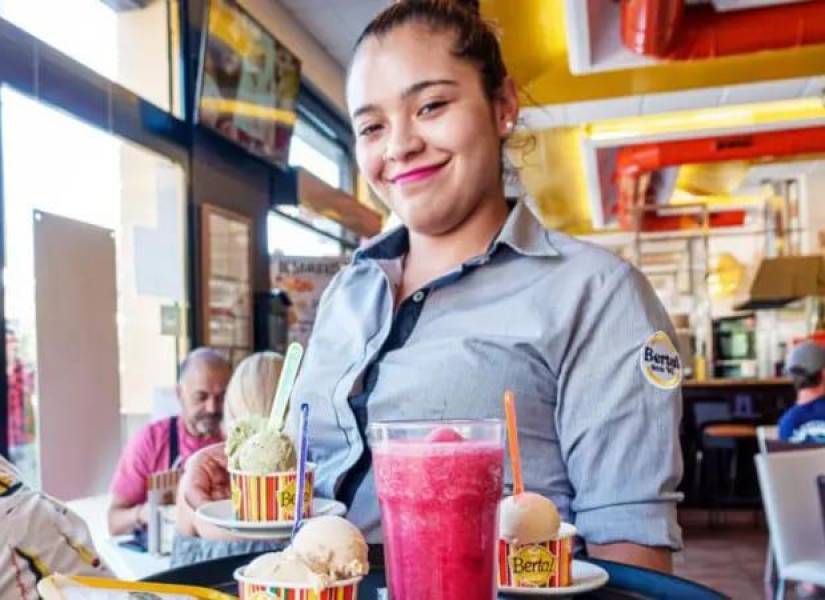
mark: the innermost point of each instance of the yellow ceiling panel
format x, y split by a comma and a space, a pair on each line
712, 178
795, 113
535, 50
551, 170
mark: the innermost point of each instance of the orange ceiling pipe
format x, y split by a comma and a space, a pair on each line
649, 26
668, 29
633, 162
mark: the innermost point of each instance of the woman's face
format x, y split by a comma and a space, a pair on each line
428, 139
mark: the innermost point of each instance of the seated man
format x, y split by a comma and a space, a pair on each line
165, 444
38, 537
805, 421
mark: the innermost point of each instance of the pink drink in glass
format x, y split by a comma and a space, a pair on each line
439, 496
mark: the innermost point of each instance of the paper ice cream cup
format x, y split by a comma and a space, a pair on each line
547, 564
251, 588
269, 497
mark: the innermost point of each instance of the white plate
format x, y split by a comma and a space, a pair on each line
586, 577
219, 513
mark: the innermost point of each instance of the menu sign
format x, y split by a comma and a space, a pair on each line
303, 279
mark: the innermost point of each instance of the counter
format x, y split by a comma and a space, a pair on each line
709, 463
736, 383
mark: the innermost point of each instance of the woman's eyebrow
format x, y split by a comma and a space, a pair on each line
412, 90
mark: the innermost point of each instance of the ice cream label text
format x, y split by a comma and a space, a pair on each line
660, 362
286, 496
532, 566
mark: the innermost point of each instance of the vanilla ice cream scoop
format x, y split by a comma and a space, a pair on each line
267, 452
528, 518
332, 546
285, 567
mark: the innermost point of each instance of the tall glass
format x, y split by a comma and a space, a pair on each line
439, 484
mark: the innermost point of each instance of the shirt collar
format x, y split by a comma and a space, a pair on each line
525, 233
522, 231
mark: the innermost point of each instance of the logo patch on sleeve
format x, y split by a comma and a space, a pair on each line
660, 361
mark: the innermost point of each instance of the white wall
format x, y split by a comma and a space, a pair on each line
812, 212
317, 65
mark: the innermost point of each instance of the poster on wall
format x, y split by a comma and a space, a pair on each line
227, 293
303, 279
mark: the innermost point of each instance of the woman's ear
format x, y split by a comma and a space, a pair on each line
507, 106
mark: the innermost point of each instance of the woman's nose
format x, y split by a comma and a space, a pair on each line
402, 143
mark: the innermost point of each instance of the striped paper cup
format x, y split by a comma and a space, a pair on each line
541, 565
250, 588
269, 497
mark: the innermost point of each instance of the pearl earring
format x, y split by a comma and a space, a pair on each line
509, 126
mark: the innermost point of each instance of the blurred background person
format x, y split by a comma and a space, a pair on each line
805, 421
167, 443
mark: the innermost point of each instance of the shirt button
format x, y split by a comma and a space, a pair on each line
418, 296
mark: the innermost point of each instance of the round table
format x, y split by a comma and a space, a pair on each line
625, 583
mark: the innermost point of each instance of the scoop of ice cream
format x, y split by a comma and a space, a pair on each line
333, 547
528, 518
242, 430
445, 434
266, 452
285, 567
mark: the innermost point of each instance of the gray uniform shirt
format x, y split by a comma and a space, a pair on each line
562, 323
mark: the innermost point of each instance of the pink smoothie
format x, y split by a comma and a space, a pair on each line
439, 506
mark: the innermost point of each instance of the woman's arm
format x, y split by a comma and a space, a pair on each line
618, 424
649, 557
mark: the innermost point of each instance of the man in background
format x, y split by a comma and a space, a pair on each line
165, 444
805, 421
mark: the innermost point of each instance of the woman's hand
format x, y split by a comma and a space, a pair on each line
206, 478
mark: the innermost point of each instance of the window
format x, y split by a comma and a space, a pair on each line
93, 182
132, 48
310, 149
285, 236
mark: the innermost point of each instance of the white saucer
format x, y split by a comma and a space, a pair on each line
586, 577
219, 513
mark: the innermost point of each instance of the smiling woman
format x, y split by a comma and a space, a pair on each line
472, 295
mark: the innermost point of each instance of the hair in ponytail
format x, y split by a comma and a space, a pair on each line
475, 41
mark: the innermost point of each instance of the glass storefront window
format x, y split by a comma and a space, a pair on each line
311, 150
290, 238
130, 47
97, 181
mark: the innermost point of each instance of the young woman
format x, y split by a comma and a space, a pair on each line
435, 319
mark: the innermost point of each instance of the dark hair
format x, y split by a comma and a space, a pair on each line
803, 380
476, 41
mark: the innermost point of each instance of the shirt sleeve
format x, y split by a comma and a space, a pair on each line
787, 424
619, 426
130, 482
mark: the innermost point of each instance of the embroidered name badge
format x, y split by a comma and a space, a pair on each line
660, 361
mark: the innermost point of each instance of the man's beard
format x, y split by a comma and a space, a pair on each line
208, 425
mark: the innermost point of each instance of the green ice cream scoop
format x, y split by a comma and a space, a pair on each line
267, 452
242, 430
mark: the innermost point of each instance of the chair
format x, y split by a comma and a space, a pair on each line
726, 482
768, 437
788, 482
765, 433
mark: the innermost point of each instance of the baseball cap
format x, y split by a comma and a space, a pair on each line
807, 358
